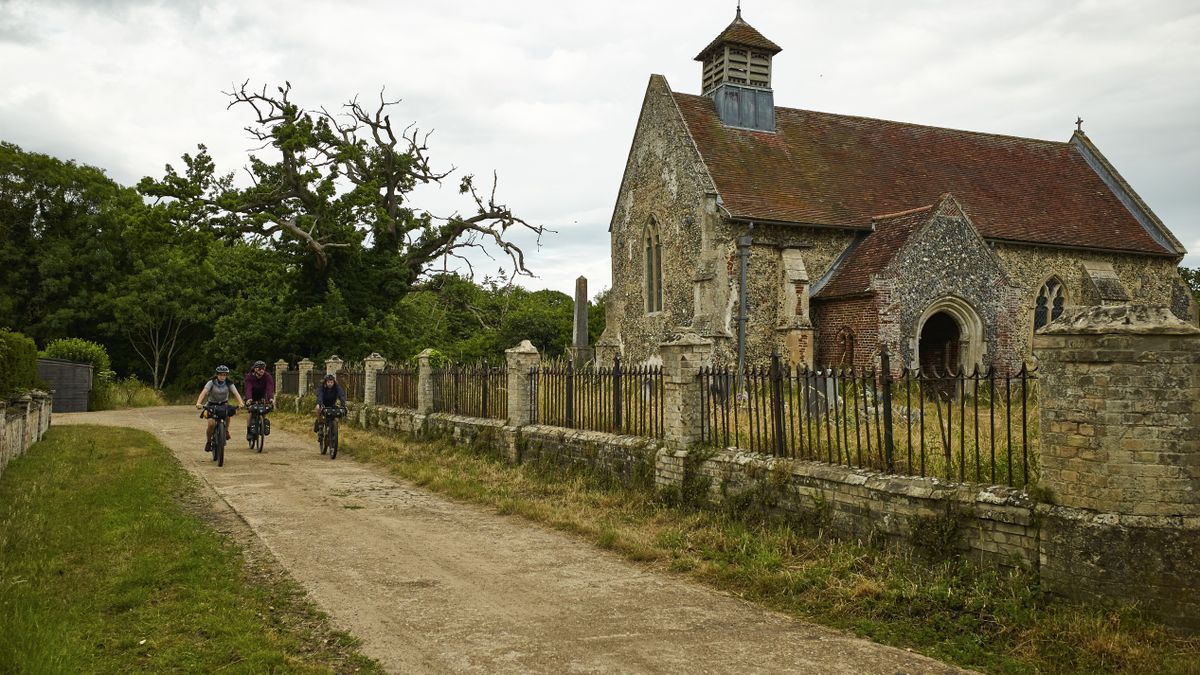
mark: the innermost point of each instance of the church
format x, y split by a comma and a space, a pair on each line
827, 237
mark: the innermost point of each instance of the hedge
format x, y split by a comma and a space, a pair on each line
18, 364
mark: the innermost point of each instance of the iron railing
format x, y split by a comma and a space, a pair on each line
314, 379
289, 383
396, 387
614, 399
472, 390
965, 427
354, 382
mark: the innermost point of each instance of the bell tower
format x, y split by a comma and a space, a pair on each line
737, 76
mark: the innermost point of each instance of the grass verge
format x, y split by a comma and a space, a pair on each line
949, 610
109, 562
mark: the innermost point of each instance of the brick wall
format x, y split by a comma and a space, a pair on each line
859, 315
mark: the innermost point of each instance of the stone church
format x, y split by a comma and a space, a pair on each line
828, 236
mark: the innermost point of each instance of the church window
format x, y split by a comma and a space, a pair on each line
1050, 302
653, 262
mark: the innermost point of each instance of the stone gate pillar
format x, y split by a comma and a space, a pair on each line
520, 360
371, 367
1120, 457
281, 367
425, 382
333, 364
304, 369
682, 398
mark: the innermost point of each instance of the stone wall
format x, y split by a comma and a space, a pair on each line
1120, 455
994, 526
665, 181
25, 420
1149, 280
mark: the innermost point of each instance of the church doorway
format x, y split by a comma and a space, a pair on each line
939, 347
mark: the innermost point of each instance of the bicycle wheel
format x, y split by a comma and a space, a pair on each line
219, 444
260, 442
333, 439
321, 437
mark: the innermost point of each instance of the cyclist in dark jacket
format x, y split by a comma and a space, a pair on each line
258, 386
330, 393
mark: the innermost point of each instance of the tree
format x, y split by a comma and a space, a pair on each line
334, 195
1192, 278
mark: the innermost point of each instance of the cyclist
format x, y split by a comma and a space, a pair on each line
218, 390
328, 394
259, 386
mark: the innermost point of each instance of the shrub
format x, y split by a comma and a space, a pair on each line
86, 351
18, 363
132, 393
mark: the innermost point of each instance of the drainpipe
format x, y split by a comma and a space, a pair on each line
743, 243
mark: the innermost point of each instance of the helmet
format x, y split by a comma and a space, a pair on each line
260, 364
222, 369
330, 377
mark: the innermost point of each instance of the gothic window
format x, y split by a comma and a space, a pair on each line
653, 262
1050, 301
843, 349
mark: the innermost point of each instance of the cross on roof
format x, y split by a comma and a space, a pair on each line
1079, 124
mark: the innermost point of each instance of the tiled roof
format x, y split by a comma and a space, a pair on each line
742, 33
870, 255
835, 170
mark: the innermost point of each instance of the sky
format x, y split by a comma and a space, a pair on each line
547, 94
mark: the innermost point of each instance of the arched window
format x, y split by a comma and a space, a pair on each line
653, 262
843, 348
1050, 301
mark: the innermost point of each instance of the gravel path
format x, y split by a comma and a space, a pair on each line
434, 586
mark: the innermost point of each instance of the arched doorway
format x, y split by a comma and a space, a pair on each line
948, 337
938, 346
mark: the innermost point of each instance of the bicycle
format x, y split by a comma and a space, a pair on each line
259, 426
221, 412
327, 434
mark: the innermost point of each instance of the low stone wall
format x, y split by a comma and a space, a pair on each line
995, 526
25, 421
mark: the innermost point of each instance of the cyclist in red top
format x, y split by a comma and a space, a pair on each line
259, 386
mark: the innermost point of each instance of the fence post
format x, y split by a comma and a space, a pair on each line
777, 403
304, 368
682, 408
520, 360
618, 423
570, 395
424, 382
371, 367
885, 365
281, 367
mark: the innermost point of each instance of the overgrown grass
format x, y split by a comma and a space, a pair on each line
950, 610
107, 565
128, 393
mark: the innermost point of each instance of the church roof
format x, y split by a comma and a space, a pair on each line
870, 255
836, 170
742, 33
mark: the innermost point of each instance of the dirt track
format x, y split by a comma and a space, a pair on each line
431, 585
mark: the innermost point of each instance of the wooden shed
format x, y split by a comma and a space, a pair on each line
71, 383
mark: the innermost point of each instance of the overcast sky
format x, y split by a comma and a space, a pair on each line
547, 93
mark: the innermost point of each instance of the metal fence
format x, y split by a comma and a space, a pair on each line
613, 399
396, 387
354, 383
473, 390
314, 379
289, 383
960, 426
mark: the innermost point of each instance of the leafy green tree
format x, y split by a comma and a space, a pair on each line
332, 192
60, 244
1192, 278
